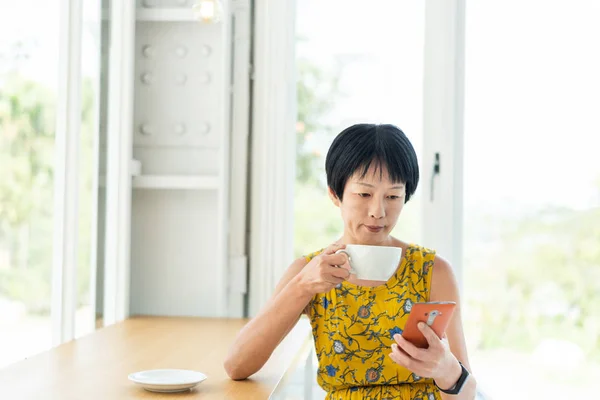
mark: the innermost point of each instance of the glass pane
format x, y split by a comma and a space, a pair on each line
92, 93
532, 197
29, 38
357, 70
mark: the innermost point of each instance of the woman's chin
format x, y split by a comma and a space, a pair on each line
373, 238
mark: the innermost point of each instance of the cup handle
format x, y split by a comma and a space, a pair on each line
349, 259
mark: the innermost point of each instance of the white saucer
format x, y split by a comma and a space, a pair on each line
167, 380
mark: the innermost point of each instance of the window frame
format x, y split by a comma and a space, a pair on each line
66, 174
443, 130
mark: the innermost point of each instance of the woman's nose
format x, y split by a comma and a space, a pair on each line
377, 209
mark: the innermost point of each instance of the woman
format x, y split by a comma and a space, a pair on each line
372, 172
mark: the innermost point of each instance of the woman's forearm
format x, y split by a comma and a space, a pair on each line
256, 342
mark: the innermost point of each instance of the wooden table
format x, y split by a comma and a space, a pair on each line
96, 366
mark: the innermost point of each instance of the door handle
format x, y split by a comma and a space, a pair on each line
436, 171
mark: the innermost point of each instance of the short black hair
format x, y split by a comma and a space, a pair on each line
360, 145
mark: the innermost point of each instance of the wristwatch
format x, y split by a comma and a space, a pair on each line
459, 383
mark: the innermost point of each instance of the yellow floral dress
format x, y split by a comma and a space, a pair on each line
353, 328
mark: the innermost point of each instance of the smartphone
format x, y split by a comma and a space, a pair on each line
436, 314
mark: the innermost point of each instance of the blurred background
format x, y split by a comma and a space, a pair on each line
531, 190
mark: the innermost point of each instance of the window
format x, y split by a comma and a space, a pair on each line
33, 110
532, 197
29, 41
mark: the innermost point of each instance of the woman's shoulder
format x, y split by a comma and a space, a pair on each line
414, 251
312, 255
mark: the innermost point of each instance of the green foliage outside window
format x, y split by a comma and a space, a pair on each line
26, 191
27, 135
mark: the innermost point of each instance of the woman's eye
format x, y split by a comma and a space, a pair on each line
394, 197
364, 194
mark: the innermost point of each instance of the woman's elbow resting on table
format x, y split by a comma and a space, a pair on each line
245, 358
257, 340
236, 371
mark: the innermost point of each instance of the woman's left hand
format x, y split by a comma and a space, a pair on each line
437, 361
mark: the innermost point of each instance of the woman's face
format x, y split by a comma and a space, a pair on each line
370, 207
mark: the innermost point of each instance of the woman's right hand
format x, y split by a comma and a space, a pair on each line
325, 271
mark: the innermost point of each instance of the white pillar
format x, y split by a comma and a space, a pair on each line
273, 147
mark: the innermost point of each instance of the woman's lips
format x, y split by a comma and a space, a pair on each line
374, 228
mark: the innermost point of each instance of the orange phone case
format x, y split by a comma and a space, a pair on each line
435, 314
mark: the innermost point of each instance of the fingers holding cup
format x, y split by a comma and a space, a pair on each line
347, 264
333, 248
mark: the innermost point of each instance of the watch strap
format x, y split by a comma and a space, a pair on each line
459, 383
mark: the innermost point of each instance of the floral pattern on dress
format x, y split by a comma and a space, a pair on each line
354, 326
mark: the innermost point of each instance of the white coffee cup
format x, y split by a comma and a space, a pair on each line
374, 263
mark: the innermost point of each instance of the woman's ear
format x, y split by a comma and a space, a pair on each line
333, 197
